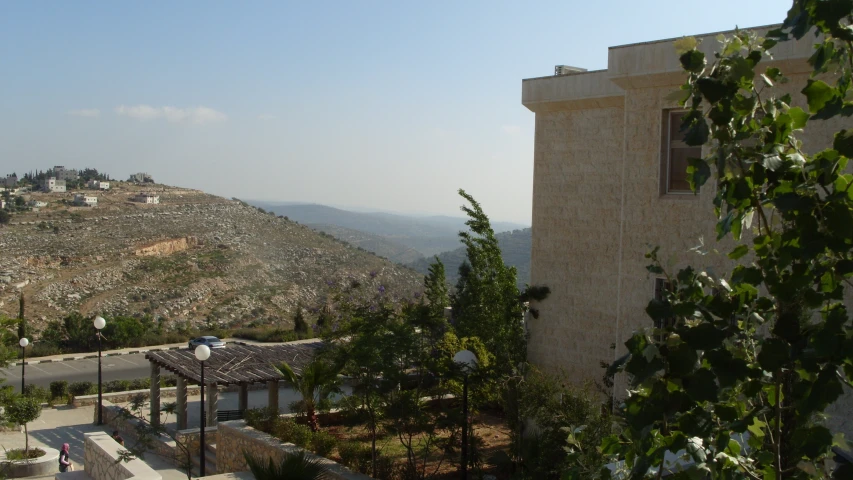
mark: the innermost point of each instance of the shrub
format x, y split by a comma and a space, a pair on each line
355, 455
116, 386
36, 392
322, 443
82, 388
58, 389
287, 430
263, 419
42, 349
168, 381
140, 383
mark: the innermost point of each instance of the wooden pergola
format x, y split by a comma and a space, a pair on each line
235, 364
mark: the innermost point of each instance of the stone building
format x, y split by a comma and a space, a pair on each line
140, 177
83, 200
11, 181
146, 198
65, 174
98, 184
609, 185
53, 185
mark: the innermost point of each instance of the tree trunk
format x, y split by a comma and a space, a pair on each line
26, 441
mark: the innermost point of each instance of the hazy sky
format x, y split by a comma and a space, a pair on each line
387, 105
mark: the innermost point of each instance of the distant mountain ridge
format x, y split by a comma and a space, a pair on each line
515, 250
428, 235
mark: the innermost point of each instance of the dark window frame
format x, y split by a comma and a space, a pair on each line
667, 144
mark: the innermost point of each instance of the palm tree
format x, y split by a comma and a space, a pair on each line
317, 381
294, 466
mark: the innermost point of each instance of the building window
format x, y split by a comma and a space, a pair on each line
674, 154
661, 288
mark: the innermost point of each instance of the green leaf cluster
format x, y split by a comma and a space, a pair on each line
736, 383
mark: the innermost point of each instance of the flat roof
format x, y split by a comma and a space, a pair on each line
236, 363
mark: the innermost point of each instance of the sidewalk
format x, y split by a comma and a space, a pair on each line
152, 348
68, 425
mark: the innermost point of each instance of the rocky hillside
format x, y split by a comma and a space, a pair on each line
194, 257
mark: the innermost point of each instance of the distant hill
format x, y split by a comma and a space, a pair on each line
393, 251
427, 235
193, 258
515, 249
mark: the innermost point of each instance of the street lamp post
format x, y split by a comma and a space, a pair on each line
23, 342
100, 323
202, 353
467, 362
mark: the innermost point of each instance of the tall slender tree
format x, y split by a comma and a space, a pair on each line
22, 321
486, 302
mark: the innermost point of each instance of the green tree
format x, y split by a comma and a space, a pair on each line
435, 286
5, 218
300, 326
20, 411
486, 302
22, 321
742, 372
315, 383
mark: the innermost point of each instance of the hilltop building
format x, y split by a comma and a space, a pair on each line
11, 181
66, 175
149, 198
83, 200
98, 184
53, 185
609, 184
140, 177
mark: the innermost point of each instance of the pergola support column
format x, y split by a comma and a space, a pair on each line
181, 400
243, 399
212, 397
272, 391
155, 394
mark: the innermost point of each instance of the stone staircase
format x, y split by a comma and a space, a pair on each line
210, 461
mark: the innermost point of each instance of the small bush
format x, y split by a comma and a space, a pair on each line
322, 443
287, 430
168, 381
356, 456
82, 388
263, 419
19, 454
116, 386
36, 392
58, 389
43, 349
140, 383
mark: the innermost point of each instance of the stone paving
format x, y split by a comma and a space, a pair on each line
61, 425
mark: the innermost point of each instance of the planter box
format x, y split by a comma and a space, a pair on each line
35, 467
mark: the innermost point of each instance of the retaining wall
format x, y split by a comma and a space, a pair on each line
235, 437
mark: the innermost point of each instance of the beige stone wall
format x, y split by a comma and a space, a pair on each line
597, 208
103, 462
235, 437
576, 205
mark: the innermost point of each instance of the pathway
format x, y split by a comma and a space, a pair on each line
61, 425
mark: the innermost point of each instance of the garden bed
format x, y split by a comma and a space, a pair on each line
351, 445
44, 464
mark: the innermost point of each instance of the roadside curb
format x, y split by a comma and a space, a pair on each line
89, 356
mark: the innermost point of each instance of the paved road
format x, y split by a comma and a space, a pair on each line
119, 367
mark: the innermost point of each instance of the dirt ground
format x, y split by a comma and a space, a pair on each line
488, 427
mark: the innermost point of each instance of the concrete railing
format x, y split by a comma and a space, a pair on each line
102, 462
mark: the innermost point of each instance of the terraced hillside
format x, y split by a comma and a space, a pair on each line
194, 257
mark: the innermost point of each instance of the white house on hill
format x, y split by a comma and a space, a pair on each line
84, 200
149, 198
